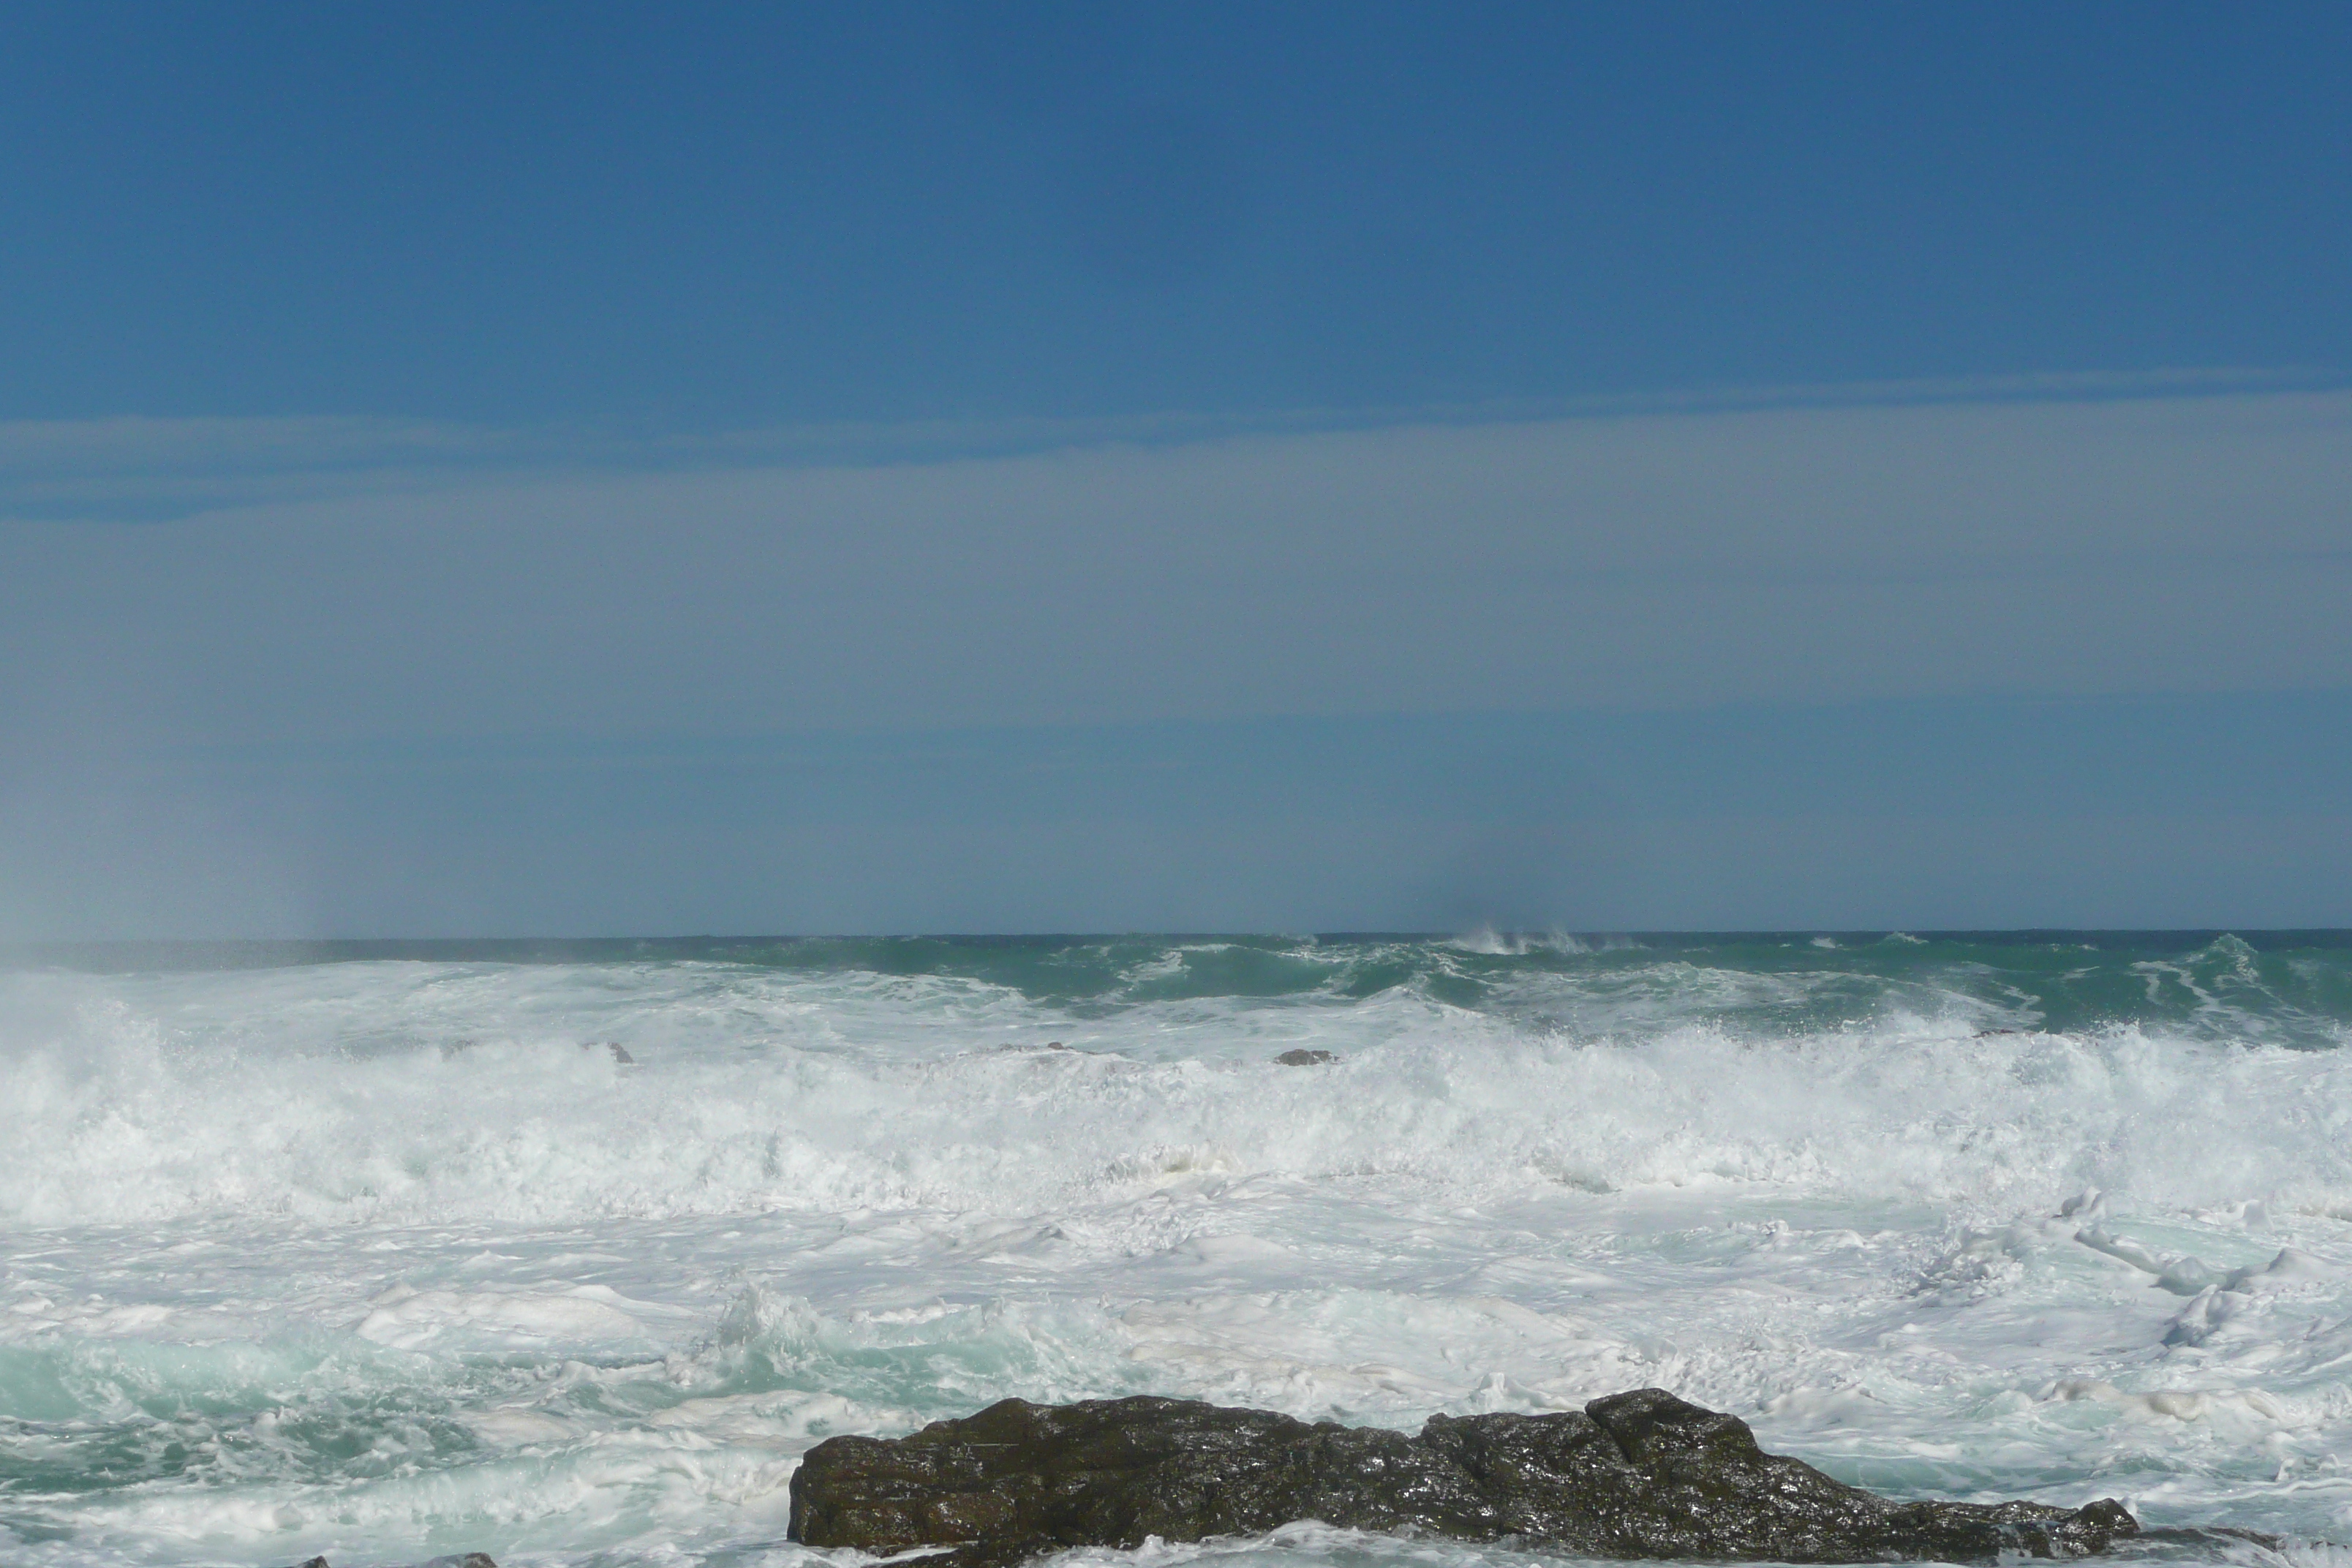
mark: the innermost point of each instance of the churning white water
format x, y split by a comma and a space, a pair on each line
390, 1259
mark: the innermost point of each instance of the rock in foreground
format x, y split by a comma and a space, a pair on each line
1634, 1475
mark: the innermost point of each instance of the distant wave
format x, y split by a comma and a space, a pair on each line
433, 1093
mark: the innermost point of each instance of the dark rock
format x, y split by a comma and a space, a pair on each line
1305, 1058
1634, 1475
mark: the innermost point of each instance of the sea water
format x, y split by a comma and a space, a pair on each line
385, 1252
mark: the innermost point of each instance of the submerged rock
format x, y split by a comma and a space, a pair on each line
1303, 1057
1633, 1474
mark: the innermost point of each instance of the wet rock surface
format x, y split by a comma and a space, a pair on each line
1639, 1475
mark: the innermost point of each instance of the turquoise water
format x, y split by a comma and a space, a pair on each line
2289, 986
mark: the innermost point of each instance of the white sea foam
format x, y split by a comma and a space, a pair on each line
749, 1097
377, 1259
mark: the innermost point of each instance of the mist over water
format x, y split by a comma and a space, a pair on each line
384, 1250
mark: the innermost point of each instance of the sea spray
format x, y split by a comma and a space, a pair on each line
373, 1258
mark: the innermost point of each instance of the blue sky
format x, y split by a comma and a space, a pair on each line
612, 468
717, 216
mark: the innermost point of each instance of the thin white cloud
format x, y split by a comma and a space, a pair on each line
137, 468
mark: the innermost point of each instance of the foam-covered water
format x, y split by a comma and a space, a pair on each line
385, 1255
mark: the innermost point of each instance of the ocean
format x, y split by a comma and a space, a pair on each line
567, 1251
